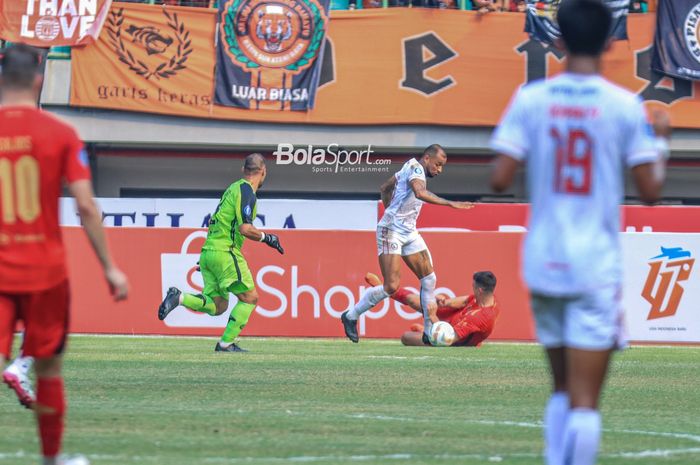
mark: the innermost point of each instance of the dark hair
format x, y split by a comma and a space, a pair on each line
20, 66
254, 163
585, 26
433, 149
485, 280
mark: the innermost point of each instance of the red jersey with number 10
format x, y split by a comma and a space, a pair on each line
37, 153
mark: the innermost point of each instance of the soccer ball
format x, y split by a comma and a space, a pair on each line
442, 334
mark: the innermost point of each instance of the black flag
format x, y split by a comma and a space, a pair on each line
541, 19
677, 41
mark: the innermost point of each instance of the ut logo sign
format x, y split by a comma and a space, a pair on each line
666, 272
422, 53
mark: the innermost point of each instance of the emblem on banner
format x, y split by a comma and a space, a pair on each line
47, 28
137, 38
662, 288
286, 34
691, 31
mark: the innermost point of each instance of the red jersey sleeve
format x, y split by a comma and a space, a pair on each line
76, 165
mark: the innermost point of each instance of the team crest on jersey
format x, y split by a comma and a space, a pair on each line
147, 49
286, 34
662, 288
691, 31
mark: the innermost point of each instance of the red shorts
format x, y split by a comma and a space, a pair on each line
45, 317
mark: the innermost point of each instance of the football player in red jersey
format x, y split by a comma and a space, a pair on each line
37, 154
473, 317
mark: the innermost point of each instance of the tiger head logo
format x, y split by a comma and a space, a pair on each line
274, 27
286, 34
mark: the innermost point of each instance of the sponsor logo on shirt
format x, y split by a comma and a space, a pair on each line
83, 158
662, 288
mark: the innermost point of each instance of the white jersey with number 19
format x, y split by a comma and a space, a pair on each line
577, 135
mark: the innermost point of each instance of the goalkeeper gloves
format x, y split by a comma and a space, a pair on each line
273, 241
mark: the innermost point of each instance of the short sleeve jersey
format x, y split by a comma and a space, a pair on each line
577, 134
38, 152
403, 211
237, 206
472, 323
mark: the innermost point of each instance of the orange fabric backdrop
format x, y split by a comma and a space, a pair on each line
368, 62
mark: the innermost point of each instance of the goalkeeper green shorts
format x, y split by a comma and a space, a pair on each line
224, 273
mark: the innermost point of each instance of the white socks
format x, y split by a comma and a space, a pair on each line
581, 437
555, 415
369, 299
427, 296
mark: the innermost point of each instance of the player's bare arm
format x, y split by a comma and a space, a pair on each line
503, 172
422, 193
387, 190
92, 223
254, 234
454, 303
649, 177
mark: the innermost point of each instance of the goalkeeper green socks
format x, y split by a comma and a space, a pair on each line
199, 303
237, 321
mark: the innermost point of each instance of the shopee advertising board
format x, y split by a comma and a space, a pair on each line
303, 292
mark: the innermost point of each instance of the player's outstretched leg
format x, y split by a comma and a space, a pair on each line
391, 267
16, 376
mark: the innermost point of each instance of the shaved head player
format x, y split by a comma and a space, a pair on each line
398, 239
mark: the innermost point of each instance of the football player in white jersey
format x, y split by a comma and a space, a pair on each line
403, 195
577, 133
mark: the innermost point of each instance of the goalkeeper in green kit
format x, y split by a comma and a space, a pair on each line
222, 264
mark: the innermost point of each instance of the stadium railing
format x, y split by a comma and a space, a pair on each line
64, 53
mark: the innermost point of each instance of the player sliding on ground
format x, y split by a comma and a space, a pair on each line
403, 195
473, 317
38, 153
577, 133
222, 264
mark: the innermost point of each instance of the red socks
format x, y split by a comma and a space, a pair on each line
401, 295
50, 407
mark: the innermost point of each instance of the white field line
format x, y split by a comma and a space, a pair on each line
331, 339
361, 458
522, 424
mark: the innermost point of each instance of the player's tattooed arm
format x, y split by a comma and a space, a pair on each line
387, 191
421, 193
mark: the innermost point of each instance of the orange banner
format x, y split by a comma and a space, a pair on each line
301, 293
52, 23
419, 66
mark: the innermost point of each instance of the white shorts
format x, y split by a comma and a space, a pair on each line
593, 321
392, 242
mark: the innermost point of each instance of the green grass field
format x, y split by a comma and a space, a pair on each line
173, 401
